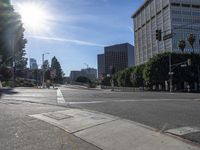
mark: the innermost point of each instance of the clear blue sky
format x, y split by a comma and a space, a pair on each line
79, 29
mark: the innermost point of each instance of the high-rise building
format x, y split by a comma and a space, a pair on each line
119, 57
101, 65
176, 17
90, 73
74, 75
33, 64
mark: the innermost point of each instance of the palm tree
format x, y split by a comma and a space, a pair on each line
191, 40
182, 45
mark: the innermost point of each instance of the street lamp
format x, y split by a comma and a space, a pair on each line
43, 69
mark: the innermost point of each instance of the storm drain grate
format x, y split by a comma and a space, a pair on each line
57, 116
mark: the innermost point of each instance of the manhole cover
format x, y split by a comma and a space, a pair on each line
57, 116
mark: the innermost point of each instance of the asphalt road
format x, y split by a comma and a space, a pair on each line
162, 111
19, 131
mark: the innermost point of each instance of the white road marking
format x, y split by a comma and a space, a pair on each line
183, 130
121, 101
111, 133
60, 98
197, 99
89, 102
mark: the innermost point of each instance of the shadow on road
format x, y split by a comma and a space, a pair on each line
7, 91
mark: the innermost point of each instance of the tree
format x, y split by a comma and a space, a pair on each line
12, 42
83, 79
46, 65
46, 70
137, 76
130, 77
156, 71
106, 81
182, 45
191, 40
55, 65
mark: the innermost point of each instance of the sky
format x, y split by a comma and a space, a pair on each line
75, 31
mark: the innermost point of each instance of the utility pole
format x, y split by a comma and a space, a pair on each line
43, 70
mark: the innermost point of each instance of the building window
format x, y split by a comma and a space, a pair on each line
176, 19
186, 12
185, 5
196, 6
176, 12
196, 13
175, 4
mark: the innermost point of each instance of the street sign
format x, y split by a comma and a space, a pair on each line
168, 36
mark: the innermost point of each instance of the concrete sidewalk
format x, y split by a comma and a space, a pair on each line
18, 131
111, 133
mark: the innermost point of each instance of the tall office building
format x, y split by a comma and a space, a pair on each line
90, 73
101, 65
33, 64
118, 56
179, 17
74, 75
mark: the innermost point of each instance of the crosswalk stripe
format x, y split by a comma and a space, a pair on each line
60, 98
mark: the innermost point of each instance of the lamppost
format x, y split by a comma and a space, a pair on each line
43, 69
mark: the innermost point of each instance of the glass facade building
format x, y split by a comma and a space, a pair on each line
119, 57
180, 17
101, 65
33, 64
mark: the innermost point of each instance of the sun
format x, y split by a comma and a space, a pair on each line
33, 16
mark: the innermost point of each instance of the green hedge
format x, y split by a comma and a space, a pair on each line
156, 72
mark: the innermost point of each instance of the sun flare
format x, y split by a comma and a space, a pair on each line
33, 15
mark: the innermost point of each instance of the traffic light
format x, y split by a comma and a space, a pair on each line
189, 62
158, 35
